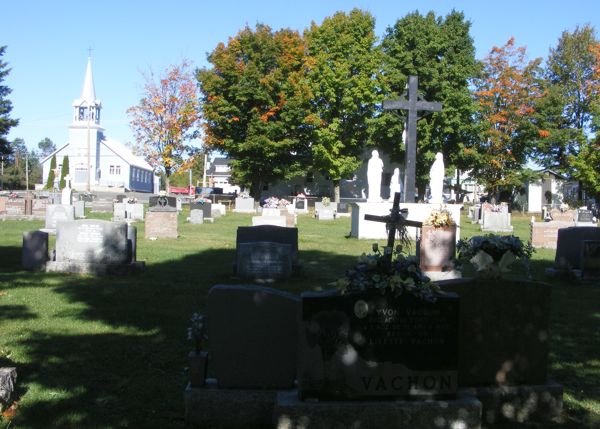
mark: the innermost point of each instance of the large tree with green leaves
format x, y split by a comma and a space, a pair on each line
46, 147
440, 52
506, 93
6, 123
255, 106
166, 117
567, 112
343, 64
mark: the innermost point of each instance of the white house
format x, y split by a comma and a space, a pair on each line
96, 161
550, 190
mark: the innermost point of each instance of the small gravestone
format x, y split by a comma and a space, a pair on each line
269, 220
58, 213
218, 210
244, 205
134, 211
496, 221
119, 214
28, 204
263, 261
545, 234
301, 205
590, 258
343, 210
196, 217
371, 345
35, 250
120, 198
252, 335
102, 206
568, 249
8, 380
584, 218
3, 201
325, 213
269, 211
79, 208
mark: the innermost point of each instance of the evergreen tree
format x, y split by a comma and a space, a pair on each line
64, 171
51, 174
6, 123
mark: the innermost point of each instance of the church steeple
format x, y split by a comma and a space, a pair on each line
86, 109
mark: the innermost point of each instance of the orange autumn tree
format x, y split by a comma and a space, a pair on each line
165, 120
506, 93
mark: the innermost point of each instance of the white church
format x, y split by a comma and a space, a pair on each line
109, 164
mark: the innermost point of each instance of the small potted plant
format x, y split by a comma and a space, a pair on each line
198, 359
493, 255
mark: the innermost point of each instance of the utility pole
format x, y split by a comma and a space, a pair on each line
27, 171
2, 174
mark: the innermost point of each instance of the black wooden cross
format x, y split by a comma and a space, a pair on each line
394, 221
414, 103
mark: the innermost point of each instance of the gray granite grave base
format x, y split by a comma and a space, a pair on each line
211, 407
443, 275
520, 404
85, 268
463, 412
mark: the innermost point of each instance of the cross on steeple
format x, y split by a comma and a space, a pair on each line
394, 221
414, 103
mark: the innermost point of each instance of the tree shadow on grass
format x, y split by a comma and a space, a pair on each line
123, 364
10, 258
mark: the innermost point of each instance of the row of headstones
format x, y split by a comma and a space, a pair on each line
83, 246
373, 346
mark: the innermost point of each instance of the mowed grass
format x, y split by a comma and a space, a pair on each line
111, 352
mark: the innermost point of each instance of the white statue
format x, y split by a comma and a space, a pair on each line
67, 193
436, 179
374, 170
395, 185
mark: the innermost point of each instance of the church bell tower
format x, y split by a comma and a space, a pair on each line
85, 134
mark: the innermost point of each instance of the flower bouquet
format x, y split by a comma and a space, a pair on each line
492, 255
394, 273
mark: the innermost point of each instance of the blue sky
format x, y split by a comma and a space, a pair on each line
48, 41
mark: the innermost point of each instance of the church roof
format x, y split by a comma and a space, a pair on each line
88, 91
121, 150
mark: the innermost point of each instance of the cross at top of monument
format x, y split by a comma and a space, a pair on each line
412, 105
394, 221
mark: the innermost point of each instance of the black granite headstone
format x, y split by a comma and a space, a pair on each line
205, 207
162, 204
343, 207
373, 345
568, 245
270, 233
263, 261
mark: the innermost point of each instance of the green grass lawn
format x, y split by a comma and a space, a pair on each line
111, 352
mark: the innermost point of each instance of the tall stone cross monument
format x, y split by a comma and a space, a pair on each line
414, 103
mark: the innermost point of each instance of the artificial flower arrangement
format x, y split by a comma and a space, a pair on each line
244, 194
202, 200
439, 218
399, 274
492, 255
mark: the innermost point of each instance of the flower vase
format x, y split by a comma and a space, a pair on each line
198, 362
